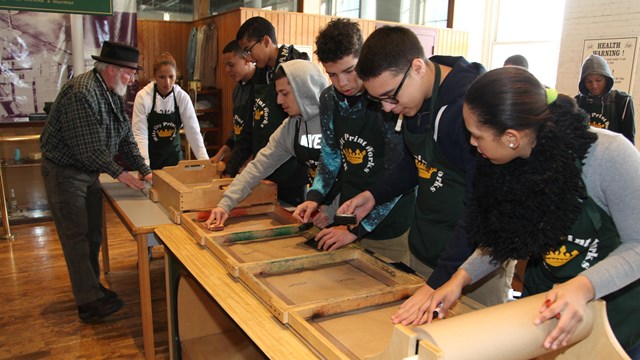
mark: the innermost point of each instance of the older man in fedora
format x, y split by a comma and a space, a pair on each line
86, 127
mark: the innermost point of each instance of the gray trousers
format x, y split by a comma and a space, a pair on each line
75, 201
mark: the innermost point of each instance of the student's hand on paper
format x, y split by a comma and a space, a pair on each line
445, 296
303, 212
359, 205
217, 218
566, 302
334, 238
413, 309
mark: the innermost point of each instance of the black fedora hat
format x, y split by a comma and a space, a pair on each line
119, 54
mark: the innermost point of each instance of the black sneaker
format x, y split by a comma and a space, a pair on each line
99, 309
109, 294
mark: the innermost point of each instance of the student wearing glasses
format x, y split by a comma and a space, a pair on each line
428, 93
359, 145
257, 39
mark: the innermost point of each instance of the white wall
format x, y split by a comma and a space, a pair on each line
594, 19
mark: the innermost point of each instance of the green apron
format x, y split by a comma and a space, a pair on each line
441, 189
591, 239
267, 117
164, 135
306, 155
362, 145
242, 95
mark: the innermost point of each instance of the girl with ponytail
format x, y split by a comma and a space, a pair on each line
551, 190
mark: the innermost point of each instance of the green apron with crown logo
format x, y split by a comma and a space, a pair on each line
441, 190
362, 145
591, 239
164, 135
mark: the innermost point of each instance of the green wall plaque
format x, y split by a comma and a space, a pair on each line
90, 7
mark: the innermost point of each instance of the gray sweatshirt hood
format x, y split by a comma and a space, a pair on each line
595, 64
307, 81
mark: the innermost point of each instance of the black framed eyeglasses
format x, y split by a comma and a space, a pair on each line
392, 99
247, 53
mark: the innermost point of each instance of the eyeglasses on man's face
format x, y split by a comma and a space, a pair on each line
130, 76
247, 52
393, 98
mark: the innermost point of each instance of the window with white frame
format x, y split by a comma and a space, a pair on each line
532, 29
419, 12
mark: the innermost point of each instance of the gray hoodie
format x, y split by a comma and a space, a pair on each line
612, 110
307, 82
595, 64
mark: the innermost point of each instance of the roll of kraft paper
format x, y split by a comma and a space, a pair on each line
507, 332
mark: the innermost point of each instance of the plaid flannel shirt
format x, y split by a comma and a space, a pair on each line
88, 126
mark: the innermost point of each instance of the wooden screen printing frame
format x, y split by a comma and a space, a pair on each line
389, 283
340, 342
260, 216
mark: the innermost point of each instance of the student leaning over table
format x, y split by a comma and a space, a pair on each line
359, 145
438, 158
298, 84
257, 38
86, 127
551, 189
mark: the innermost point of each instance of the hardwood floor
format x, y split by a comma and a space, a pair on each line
38, 316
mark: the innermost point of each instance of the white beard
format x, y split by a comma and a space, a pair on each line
120, 87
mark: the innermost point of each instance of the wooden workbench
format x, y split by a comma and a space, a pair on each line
184, 257
140, 216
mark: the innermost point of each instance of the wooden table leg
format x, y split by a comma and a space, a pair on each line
145, 297
106, 266
172, 276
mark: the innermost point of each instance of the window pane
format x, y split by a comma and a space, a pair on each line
348, 8
176, 10
419, 12
542, 58
436, 12
525, 20
218, 6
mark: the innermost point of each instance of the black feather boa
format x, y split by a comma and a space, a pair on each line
526, 207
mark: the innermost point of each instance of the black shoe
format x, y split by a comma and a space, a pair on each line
109, 294
99, 309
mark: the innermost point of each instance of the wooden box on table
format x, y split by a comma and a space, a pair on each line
195, 185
